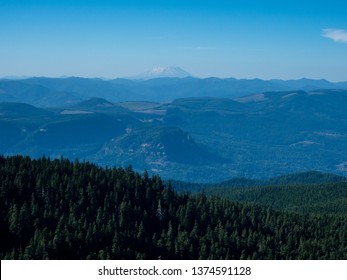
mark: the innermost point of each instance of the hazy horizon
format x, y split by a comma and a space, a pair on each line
118, 39
15, 77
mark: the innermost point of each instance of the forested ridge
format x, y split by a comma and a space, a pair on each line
58, 209
202, 139
328, 198
309, 192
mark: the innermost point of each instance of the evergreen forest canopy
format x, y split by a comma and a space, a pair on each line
58, 209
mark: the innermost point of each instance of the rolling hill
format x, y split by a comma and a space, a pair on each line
205, 139
317, 199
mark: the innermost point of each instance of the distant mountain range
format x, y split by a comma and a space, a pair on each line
199, 139
50, 92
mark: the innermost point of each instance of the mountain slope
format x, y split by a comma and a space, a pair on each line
323, 198
22, 91
13, 109
70, 210
156, 148
205, 139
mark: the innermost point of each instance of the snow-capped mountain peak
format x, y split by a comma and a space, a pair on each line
163, 72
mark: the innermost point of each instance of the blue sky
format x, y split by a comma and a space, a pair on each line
241, 39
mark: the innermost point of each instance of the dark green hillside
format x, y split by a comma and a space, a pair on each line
78, 130
72, 131
157, 146
309, 177
17, 121
9, 134
325, 198
15, 110
226, 187
63, 210
96, 104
